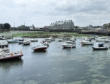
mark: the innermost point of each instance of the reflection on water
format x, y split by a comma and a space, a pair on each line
80, 65
6, 65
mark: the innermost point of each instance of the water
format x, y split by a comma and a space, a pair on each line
79, 65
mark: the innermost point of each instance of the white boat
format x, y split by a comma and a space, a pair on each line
100, 46
15, 40
69, 44
50, 39
102, 39
19, 39
12, 41
26, 42
33, 40
60, 40
73, 39
20, 42
66, 38
2, 37
7, 55
3, 43
86, 42
39, 48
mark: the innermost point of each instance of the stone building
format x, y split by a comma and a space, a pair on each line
62, 25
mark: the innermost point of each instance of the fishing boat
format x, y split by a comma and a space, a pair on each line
5, 56
69, 44
39, 48
26, 42
99, 46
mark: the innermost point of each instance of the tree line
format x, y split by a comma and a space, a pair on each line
5, 26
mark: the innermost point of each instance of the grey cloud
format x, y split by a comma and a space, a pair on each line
45, 11
90, 6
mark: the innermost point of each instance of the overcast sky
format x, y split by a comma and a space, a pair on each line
43, 12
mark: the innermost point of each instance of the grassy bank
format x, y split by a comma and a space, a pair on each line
47, 34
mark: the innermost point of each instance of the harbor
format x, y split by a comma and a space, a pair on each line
54, 42
78, 65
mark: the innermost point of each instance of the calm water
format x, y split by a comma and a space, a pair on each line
79, 65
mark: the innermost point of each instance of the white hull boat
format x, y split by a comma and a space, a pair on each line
100, 46
26, 42
86, 42
69, 44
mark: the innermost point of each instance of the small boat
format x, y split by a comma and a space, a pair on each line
39, 48
86, 42
20, 42
19, 39
60, 40
26, 42
5, 56
34, 40
73, 39
2, 37
66, 38
12, 41
45, 43
3, 43
102, 39
50, 39
99, 46
69, 44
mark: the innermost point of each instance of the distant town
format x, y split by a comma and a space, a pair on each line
61, 26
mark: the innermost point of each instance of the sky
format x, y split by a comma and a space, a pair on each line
43, 12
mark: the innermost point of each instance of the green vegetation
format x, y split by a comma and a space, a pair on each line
47, 34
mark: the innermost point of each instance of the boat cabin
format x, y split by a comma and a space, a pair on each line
101, 45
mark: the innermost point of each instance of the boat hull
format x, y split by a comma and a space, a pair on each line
11, 57
26, 44
100, 48
86, 43
40, 49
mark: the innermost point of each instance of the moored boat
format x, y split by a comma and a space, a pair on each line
102, 39
39, 48
86, 42
26, 42
2, 37
3, 43
50, 39
5, 56
60, 40
34, 40
73, 39
20, 42
99, 46
12, 41
69, 44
